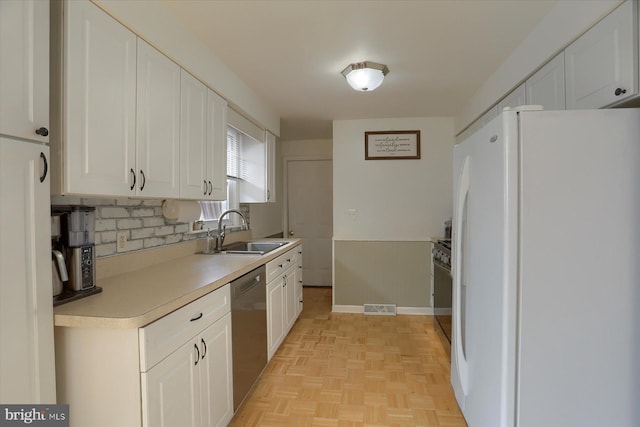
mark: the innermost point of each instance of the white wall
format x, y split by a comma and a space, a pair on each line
308, 148
395, 200
267, 218
153, 21
564, 23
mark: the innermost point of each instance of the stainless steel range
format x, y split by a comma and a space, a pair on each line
442, 289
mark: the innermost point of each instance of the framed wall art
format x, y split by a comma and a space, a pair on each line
392, 145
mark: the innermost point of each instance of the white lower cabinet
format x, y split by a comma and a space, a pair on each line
191, 387
174, 372
298, 280
170, 391
284, 296
275, 316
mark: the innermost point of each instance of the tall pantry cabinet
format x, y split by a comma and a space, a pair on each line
26, 310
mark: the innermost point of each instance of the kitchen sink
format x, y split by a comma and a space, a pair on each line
253, 248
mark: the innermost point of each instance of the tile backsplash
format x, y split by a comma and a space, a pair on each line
141, 221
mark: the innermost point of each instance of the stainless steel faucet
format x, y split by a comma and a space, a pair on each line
223, 229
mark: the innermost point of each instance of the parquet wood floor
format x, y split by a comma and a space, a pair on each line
337, 369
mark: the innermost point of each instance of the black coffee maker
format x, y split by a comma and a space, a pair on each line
77, 239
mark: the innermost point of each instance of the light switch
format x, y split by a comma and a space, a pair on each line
351, 214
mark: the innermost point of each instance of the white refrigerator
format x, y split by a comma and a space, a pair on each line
546, 269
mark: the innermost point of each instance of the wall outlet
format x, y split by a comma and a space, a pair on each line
121, 238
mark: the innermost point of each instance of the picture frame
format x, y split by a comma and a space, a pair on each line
392, 145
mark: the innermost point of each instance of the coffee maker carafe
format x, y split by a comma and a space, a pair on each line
78, 237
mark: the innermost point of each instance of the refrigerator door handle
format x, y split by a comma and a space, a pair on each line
461, 203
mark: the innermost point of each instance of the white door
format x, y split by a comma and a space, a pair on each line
26, 311
101, 102
24, 69
216, 373
157, 124
310, 216
170, 390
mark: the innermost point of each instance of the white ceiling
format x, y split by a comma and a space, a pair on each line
291, 52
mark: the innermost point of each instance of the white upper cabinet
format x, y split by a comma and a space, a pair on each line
270, 141
601, 66
489, 115
24, 69
217, 146
516, 98
546, 86
202, 142
193, 139
157, 124
96, 142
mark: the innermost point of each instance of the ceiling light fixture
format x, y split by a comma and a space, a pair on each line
365, 76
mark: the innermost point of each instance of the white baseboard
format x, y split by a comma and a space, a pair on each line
347, 309
420, 311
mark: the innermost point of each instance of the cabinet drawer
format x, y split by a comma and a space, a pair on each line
278, 265
165, 335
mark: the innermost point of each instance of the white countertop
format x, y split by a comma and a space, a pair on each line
137, 298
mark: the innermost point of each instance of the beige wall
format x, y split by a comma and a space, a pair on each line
382, 273
383, 252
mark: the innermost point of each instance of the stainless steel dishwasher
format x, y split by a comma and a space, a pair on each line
249, 331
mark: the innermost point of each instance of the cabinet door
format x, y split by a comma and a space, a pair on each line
216, 373
275, 315
24, 69
298, 281
516, 98
26, 310
290, 298
193, 139
546, 86
217, 147
270, 140
157, 124
171, 390
100, 87
601, 66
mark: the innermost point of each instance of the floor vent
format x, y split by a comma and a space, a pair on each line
380, 309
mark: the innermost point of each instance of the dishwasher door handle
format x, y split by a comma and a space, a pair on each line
246, 287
